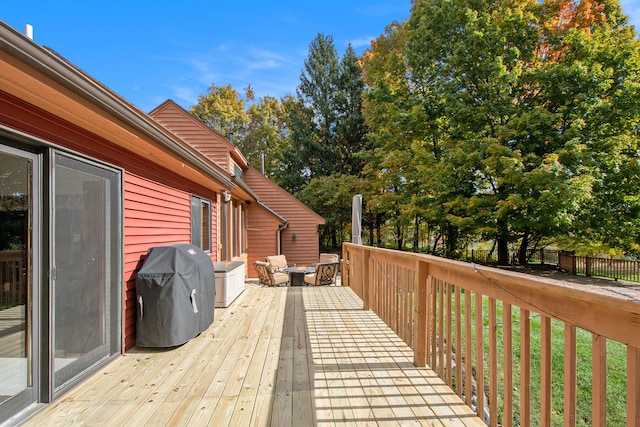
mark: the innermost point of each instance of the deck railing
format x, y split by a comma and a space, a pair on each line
12, 278
518, 349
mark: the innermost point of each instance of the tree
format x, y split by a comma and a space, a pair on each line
332, 195
325, 123
407, 131
317, 90
524, 106
294, 174
330, 94
223, 109
266, 135
350, 129
517, 116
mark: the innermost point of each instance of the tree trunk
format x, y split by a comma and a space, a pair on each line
503, 243
522, 252
416, 234
452, 239
503, 251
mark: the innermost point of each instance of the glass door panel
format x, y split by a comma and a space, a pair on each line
86, 244
16, 296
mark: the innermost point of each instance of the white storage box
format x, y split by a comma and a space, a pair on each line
229, 281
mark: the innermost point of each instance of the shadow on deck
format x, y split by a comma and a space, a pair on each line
299, 356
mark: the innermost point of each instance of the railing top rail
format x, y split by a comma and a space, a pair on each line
599, 310
13, 255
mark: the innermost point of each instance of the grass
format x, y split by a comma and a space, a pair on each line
616, 369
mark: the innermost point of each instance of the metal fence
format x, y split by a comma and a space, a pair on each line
611, 268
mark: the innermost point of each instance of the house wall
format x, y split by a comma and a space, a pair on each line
302, 221
261, 230
155, 214
157, 184
209, 142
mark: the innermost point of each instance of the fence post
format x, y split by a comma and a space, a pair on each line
587, 267
542, 256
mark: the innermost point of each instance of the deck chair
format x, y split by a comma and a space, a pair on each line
268, 277
325, 258
277, 262
325, 274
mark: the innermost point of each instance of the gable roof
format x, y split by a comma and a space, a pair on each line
276, 197
201, 136
103, 112
264, 191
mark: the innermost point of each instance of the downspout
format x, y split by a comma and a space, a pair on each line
278, 238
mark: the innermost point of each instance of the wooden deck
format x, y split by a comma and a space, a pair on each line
303, 356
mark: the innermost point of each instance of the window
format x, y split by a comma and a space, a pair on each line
201, 223
237, 171
239, 244
236, 229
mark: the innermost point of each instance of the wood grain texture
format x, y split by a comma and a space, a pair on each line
277, 356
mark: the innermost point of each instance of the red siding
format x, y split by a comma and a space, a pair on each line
186, 126
154, 215
261, 231
305, 250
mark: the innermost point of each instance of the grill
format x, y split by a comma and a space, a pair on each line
175, 290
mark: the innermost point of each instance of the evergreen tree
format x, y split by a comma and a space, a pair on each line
350, 130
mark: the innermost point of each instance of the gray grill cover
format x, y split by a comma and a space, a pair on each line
175, 295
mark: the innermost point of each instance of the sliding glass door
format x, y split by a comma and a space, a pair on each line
19, 229
86, 247
60, 280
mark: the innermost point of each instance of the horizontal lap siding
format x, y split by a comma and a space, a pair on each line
154, 215
301, 220
261, 232
187, 127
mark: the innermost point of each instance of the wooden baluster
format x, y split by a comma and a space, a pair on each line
458, 343
570, 373
507, 342
449, 336
467, 346
479, 357
599, 382
525, 368
633, 386
545, 370
493, 364
441, 292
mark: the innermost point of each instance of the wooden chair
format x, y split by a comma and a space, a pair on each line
325, 274
269, 278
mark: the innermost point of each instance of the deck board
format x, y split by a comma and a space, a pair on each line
303, 356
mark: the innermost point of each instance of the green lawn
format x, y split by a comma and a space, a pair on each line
616, 369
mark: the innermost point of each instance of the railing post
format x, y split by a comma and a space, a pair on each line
366, 282
420, 315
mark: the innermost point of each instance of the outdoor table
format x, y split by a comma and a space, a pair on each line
296, 274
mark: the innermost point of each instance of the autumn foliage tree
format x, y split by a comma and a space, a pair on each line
517, 115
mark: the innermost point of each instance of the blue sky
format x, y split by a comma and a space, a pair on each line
151, 51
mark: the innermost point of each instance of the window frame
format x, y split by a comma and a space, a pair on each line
201, 215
